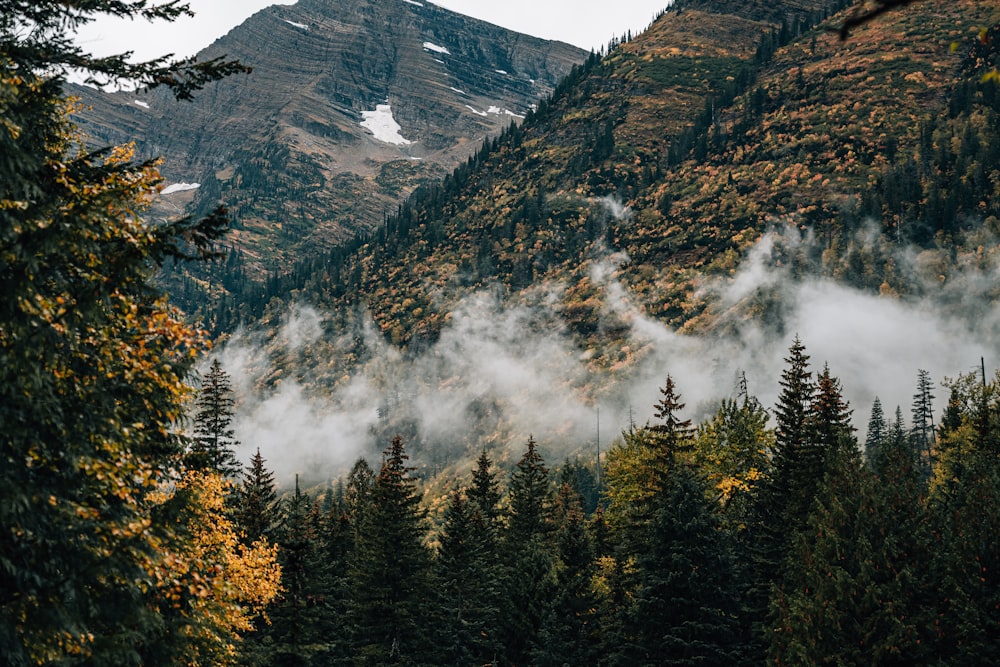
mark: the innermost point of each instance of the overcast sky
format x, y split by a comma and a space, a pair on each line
585, 23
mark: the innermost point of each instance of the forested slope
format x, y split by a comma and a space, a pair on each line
721, 121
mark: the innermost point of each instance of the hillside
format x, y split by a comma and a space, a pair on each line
721, 121
349, 107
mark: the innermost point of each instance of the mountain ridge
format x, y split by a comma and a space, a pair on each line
284, 148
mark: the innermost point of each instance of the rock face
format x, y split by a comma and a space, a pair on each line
351, 105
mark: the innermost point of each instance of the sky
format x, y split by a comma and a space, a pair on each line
589, 24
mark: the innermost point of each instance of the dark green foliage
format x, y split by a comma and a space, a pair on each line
468, 587
213, 446
256, 502
686, 602
390, 571
92, 360
570, 629
528, 581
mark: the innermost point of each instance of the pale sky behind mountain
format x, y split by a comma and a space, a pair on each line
584, 23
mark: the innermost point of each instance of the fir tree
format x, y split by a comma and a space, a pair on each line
527, 581
390, 570
93, 360
922, 424
829, 421
686, 603
213, 446
673, 434
878, 435
256, 511
467, 587
569, 632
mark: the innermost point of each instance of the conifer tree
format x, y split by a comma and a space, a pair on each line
467, 587
390, 570
527, 582
93, 360
213, 446
878, 435
829, 421
673, 434
570, 629
686, 602
485, 490
293, 630
922, 425
256, 510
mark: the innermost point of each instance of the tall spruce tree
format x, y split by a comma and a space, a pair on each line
878, 435
528, 577
570, 628
468, 587
213, 445
93, 361
257, 499
390, 571
922, 432
686, 602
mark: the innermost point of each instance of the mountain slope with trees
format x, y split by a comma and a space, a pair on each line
723, 120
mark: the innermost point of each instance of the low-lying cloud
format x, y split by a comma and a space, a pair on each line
500, 372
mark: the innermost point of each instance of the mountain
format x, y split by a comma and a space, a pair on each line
721, 121
351, 105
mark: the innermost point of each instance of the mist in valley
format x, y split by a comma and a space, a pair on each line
501, 372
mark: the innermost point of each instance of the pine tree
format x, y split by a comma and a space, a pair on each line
527, 581
213, 446
686, 603
93, 360
570, 629
390, 570
256, 510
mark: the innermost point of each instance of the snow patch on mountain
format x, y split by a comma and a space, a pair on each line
430, 46
142, 104
301, 26
381, 124
179, 187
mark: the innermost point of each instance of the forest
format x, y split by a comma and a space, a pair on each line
130, 534
736, 541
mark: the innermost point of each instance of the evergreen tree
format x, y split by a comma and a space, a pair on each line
527, 582
829, 421
93, 360
293, 630
786, 496
851, 593
467, 587
878, 435
213, 446
672, 433
794, 400
390, 570
485, 490
256, 510
922, 425
570, 629
686, 603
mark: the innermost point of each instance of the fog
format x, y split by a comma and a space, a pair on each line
500, 372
